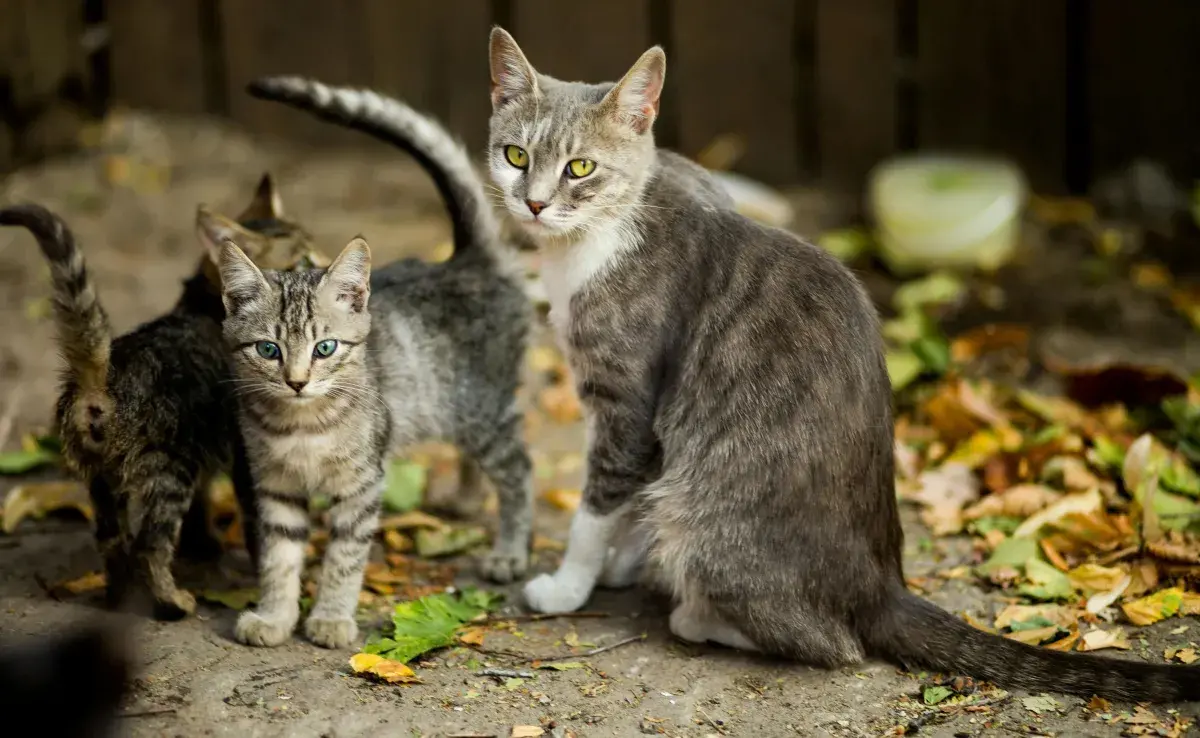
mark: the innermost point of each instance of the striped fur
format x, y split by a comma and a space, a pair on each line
84, 335
425, 352
146, 419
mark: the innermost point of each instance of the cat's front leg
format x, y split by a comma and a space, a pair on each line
622, 454
353, 520
283, 535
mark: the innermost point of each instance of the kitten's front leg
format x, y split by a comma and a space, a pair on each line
353, 520
283, 534
622, 452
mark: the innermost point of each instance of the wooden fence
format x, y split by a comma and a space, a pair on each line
819, 90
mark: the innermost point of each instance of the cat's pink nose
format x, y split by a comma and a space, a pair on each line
535, 206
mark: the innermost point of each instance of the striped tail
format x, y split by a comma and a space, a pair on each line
84, 335
388, 119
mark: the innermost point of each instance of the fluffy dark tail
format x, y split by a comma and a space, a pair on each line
917, 633
84, 334
388, 119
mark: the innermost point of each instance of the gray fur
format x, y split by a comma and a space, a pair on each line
738, 405
425, 352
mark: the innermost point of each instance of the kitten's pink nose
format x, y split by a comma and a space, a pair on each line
535, 206
297, 385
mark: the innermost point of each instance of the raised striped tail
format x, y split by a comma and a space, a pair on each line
84, 335
388, 119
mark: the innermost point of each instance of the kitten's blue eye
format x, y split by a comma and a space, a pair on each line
267, 350
325, 348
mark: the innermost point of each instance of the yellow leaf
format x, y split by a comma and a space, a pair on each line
1077, 503
544, 359
1033, 636
413, 519
472, 636
389, 671
526, 731
560, 402
85, 583
1057, 614
563, 499
1098, 639
397, 541
1020, 501
1187, 655
977, 449
38, 499
1093, 578
1155, 607
442, 252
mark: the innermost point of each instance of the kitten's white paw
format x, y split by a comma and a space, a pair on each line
254, 630
547, 593
331, 632
503, 566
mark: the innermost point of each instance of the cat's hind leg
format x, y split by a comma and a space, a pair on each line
353, 520
110, 524
164, 495
627, 554
500, 452
693, 620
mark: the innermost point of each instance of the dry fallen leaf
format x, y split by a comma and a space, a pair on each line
1099, 704
85, 583
1155, 607
1099, 639
985, 339
943, 491
563, 499
1101, 600
397, 541
1020, 501
472, 636
560, 402
40, 498
1093, 578
545, 359
413, 519
1079, 502
1059, 615
526, 731
388, 670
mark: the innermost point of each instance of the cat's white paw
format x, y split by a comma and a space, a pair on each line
255, 630
504, 566
331, 632
547, 593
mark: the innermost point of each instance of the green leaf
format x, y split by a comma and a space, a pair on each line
21, 462
448, 541
1037, 621
404, 486
420, 626
903, 367
934, 352
1109, 453
234, 599
1006, 524
1041, 703
845, 244
1045, 582
513, 682
936, 289
1011, 552
933, 695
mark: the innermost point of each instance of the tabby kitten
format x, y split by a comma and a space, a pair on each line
147, 419
738, 407
341, 367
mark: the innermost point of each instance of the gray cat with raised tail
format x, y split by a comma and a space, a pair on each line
341, 367
738, 406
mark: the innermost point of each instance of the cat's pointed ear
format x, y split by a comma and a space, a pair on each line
349, 276
512, 74
241, 281
267, 204
214, 229
634, 101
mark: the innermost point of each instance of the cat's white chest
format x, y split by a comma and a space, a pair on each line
568, 269
300, 462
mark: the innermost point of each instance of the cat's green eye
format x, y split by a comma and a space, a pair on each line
325, 348
267, 349
516, 156
578, 168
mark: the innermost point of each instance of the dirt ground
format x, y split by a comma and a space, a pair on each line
195, 680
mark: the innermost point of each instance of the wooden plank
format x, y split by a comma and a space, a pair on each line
735, 73
856, 88
1143, 84
315, 38
463, 69
582, 41
157, 54
992, 78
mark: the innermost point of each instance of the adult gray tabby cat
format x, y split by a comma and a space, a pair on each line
738, 407
340, 367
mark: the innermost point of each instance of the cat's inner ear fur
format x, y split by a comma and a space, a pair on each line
267, 204
512, 74
213, 230
348, 279
635, 99
241, 280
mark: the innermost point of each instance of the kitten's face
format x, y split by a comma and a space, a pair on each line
568, 155
297, 335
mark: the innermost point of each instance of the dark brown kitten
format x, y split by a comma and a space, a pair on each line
147, 419
738, 406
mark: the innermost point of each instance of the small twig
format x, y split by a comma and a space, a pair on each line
149, 711
1116, 556
593, 652
50, 591
535, 617
505, 673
